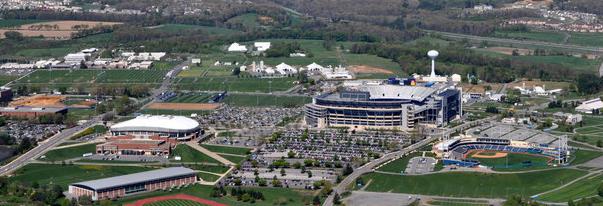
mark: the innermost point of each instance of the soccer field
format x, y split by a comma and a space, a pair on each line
472, 184
251, 84
87, 78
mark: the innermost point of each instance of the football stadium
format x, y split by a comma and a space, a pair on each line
390, 105
501, 141
145, 126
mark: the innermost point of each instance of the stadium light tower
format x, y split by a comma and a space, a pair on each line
433, 54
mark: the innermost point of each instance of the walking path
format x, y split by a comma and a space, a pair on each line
211, 154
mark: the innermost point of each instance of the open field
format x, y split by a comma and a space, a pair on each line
69, 153
4, 23
173, 112
556, 37
226, 149
54, 29
50, 52
84, 78
188, 154
261, 100
184, 106
207, 177
582, 156
236, 84
584, 188
192, 98
470, 184
39, 101
234, 158
273, 196
248, 20
66, 174
399, 165
591, 131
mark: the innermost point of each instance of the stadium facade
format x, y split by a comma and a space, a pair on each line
145, 126
120, 186
390, 106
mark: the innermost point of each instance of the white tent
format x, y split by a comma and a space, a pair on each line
236, 47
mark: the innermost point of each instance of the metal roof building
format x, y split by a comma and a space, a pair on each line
119, 186
157, 125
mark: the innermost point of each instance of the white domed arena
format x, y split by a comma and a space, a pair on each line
179, 127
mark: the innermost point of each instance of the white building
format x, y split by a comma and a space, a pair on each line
314, 67
283, 68
261, 46
590, 105
76, 58
236, 47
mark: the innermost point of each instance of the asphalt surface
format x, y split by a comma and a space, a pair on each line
45, 146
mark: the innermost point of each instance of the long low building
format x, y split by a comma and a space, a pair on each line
128, 145
30, 112
385, 106
144, 126
120, 186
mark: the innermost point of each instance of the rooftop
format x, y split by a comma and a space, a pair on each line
31, 109
135, 178
167, 122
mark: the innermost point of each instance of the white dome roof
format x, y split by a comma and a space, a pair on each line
161, 123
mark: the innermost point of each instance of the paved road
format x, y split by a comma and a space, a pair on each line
367, 168
394, 199
519, 42
45, 146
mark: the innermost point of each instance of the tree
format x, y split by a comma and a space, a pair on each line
316, 200
347, 170
283, 172
291, 154
14, 35
84, 200
600, 190
492, 109
309, 173
336, 199
105, 203
588, 83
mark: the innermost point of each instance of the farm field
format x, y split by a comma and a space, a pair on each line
53, 29
235, 84
188, 154
227, 149
584, 188
69, 152
586, 39
64, 175
273, 196
469, 184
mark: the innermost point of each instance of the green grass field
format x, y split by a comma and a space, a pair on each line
188, 154
399, 165
233, 158
235, 84
591, 132
69, 153
208, 168
49, 52
192, 98
4, 79
207, 177
186, 27
17, 22
249, 100
173, 112
555, 37
227, 149
65, 175
86, 78
514, 161
273, 196
586, 39
568, 61
582, 156
470, 184
248, 20
584, 188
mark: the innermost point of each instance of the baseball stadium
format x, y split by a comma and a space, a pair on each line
504, 147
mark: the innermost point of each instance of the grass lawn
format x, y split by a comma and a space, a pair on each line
374, 61
472, 184
586, 39
399, 165
555, 37
249, 100
113, 161
47, 52
186, 27
207, 177
273, 196
234, 159
4, 79
208, 168
89, 78
69, 153
568, 61
584, 188
582, 156
65, 175
236, 84
17, 22
514, 161
227, 149
248, 20
188, 154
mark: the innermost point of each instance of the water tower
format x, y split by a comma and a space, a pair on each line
433, 54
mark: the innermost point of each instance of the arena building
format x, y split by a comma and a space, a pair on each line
385, 105
145, 126
120, 186
129, 145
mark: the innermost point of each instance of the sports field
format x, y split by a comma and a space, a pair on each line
173, 112
88, 78
250, 84
188, 154
192, 98
472, 184
510, 161
69, 152
584, 188
66, 174
175, 203
227, 149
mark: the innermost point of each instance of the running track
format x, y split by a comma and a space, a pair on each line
175, 197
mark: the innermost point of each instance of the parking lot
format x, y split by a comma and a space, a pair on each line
420, 165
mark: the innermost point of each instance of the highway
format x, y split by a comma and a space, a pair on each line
588, 49
368, 167
45, 146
